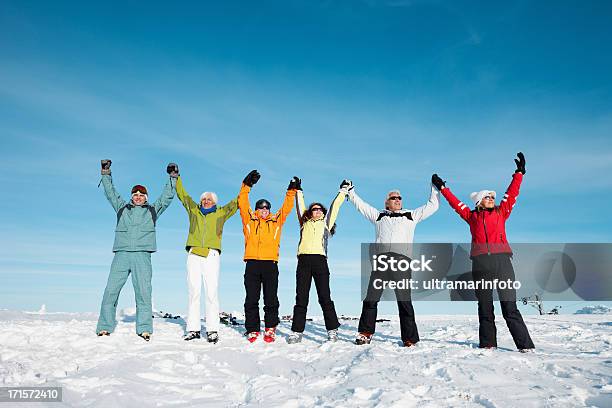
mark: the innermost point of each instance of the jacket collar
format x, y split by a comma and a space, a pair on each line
131, 205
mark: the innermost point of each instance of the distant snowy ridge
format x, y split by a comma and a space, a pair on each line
597, 309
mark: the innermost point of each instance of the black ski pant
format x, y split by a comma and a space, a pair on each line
369, 310
313, 267
260, 274
487, 268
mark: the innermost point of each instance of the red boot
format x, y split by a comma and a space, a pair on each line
252, 336
270, 334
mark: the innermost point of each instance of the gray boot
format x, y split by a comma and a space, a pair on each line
332, 335
294, 337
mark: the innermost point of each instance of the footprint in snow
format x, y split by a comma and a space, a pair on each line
367, 393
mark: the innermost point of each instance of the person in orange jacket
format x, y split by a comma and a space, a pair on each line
262, 233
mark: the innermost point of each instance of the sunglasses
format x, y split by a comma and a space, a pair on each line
263, 207
313, 209
492, 198
395, 198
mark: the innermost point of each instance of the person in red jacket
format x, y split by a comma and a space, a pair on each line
491, 255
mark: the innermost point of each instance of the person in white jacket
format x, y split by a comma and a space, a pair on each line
394, 225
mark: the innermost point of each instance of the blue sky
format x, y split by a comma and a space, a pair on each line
382, 92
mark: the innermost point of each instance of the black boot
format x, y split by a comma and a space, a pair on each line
212, 337
192, 335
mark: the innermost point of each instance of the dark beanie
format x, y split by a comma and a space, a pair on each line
261, 203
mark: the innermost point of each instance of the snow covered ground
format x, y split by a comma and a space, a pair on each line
572, 365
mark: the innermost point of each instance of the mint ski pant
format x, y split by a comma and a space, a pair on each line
125, 263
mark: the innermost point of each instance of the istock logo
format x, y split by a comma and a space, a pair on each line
384, 263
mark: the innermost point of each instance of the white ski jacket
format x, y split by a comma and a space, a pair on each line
396, 227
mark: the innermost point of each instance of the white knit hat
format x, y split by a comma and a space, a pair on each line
211, 194
477, 197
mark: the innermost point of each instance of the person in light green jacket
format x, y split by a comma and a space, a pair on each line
134, 244
317, 225
203, 245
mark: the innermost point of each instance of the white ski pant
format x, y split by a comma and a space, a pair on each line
207, 269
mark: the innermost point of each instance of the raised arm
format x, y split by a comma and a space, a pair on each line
243, 196
109, 189
459, 207
507, 203
429, 208
285, 209
300, 205
243, 204
182, 195
167, 194
287, 206
364, 208
334, 208
229, 209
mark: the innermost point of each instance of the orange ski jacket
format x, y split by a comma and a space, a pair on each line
262, 235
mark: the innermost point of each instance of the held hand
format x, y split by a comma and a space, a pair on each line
106, 164
172, 170
438, 182
520, 163
252, 178
346, 185
295, 183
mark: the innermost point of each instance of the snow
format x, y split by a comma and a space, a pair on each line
572, 365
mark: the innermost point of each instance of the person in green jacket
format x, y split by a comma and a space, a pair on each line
134, 244
203, 245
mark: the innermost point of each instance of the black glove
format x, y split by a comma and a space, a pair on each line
438, 182
520, 163
346, 184
295, 183
173, 170
252, 178
106, 163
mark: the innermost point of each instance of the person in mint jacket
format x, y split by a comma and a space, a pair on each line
134, 244
203, 245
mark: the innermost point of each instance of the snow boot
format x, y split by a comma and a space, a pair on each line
408, 343
363, 338
527, 350
212, 337
103, 333
270, 334
145, 335
252, 336
294, 337
332, 335
192, 335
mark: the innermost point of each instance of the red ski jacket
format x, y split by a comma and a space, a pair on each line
488, 227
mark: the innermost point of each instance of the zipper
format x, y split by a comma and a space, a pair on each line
203, 228
486, 235
257, 235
